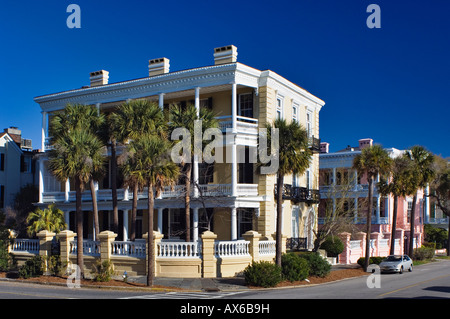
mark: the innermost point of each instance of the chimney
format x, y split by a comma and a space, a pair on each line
99, 78
324, 147
158, 66
15, 134
224, 55
365, 142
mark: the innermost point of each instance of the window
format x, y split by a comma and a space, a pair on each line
308, 179
2, 196
25, 164
2, 162
245, 217
279, 107
309, 123
295, 112
409, 210
246, 105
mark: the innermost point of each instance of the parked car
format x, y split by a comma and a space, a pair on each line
396, 263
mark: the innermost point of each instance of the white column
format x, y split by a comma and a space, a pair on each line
378, 208
234, 168
160, 220
41, 180
125, 225
97, 105
195, 224
426, 202
44, 130
233, 223
234, 107
161, 101
66, 191
196, 159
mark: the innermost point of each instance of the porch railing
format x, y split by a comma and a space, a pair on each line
232, 248
26, 245
129, 248
300, 243
90, 247
178, 250
267, 247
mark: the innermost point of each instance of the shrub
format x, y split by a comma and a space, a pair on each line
333, 246
423, 253
33, 267
263, 274
372, 260
55, 266
103, 271
294, 268
318, 266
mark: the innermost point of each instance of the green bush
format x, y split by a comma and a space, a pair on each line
318, 266
423, 253
104, 271
294, 268
333, 246
263, 274
372, 260
33, 267
55, 266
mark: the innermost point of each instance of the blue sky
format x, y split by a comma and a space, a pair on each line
391, 84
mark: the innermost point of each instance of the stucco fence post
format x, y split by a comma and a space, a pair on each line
65, 238
400, 234
45, 247
376, 246
362, 237
344, 257
12, 236
253, 237
209, 267
157, 237
106, 238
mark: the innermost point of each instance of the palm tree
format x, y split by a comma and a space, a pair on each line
152, 160
294, 157
75, 155
186, 117
399, 185
51, 219
130, 121
422, 162
86, 117
372, 160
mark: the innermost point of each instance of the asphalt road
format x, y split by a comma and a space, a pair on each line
427, 281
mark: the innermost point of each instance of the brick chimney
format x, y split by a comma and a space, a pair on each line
158, 66
224, 55
365, 142
99, 78
324, 147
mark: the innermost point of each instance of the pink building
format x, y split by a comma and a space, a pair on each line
342, 188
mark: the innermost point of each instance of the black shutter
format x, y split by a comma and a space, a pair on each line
2, 162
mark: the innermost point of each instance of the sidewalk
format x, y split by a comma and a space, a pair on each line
212, 284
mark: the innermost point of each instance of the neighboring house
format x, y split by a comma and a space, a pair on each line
336, 173
16, 165
235, 194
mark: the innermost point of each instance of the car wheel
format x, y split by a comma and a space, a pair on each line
401, 270
410, 268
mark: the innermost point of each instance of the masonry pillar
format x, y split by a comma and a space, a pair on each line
376, 246
344, 257
157, 237
362, 237
45, 246
106, 238
209, 263
253, 237
400, 234
65, 238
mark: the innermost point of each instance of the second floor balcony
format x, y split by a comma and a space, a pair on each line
177, 191
300, 194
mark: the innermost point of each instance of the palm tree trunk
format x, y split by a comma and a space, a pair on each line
79, 227
150, 241
94, 208
368, 224
133, 213
280, 182
412, 229
114, 186
448, 239
394, 226
187, 201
